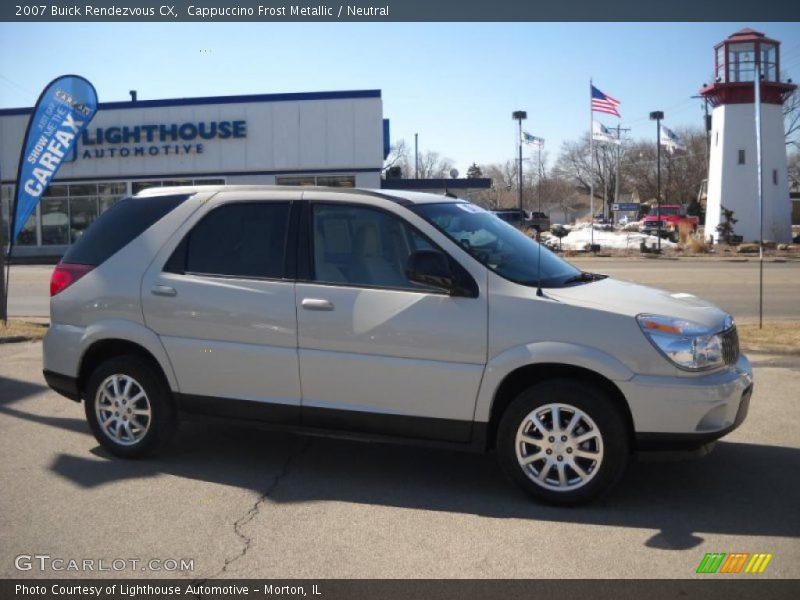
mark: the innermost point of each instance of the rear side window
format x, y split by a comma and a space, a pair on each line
118, 226
236, 240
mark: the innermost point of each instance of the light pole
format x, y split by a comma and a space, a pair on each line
520, 115
656, 116
416, 156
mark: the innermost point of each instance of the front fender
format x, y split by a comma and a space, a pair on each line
562, 353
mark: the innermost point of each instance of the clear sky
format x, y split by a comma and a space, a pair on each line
455, 85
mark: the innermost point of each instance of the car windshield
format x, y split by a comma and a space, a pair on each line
498, 245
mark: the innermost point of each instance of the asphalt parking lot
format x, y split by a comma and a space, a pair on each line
248, 503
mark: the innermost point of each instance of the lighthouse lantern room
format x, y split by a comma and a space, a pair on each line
733, 163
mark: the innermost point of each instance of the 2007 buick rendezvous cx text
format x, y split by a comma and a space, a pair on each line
381, 315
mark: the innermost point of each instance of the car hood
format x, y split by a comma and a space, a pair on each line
631, 299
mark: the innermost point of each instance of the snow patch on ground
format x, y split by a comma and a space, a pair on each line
581, 235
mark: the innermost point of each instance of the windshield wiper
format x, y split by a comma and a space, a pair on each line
584, 277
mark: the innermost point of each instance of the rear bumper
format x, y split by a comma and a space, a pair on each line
63, 384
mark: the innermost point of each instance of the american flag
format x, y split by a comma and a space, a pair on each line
604, 103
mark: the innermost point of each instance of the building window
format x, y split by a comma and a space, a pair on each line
108, 194
296, 180
741, 157
82, 212
721, 63
716, 138
769, 62
337, 180
55, 220
742, 61
323, 180
138, 186
5, 214
28, 236
774, 176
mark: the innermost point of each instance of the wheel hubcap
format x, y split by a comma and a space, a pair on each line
123, 409
559, 447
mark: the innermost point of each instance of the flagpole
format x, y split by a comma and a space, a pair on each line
591, 165
757, 86
3, 301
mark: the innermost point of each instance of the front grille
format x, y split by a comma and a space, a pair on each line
730, 346
654, 224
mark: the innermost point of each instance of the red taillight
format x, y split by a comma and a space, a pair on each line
65, 274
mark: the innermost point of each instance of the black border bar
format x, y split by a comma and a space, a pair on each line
275, 11
710, 587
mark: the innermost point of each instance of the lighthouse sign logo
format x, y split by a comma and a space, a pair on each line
733, 563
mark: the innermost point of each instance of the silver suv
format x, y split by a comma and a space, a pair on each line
381, 315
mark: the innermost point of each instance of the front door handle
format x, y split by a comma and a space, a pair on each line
316, 304
164, 290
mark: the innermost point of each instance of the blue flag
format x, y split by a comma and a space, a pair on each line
61, 114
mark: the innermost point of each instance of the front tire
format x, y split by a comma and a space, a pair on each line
129, 407
563, 442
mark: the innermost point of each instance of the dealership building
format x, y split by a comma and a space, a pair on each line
323, 138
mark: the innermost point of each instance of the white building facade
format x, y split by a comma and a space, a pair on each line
322, 138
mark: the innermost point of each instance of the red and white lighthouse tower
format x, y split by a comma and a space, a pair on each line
733, 164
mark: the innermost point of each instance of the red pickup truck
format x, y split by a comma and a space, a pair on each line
671, 217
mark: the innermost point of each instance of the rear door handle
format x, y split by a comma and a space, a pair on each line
164, 290
316, 304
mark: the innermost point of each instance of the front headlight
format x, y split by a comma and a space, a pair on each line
687, 344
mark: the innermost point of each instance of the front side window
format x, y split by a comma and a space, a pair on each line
237, 240
500, 246
361, 246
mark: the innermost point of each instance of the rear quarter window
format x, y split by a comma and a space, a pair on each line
119, 226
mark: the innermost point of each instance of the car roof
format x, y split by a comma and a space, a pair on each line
399, 196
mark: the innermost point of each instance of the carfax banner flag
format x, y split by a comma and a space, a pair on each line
62, 112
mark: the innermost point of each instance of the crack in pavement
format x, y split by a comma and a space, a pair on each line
255, 509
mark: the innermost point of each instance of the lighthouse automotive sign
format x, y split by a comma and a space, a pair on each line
61, 114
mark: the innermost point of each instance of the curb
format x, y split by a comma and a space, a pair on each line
15, 338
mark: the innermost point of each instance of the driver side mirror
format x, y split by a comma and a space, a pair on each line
430, 267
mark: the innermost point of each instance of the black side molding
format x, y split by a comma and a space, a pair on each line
321, 420
246, 410
402, 426
63, 384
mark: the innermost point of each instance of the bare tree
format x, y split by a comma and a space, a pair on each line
682, 171
503, 192
574, 164
399, 159
794, 170
432, 165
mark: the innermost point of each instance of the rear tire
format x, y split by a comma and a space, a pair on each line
564, 442
129, 408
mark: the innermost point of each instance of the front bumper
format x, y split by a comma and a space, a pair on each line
688, 411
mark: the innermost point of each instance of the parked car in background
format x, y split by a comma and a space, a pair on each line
538, 221
515, 216
668, 219
399, 316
